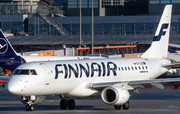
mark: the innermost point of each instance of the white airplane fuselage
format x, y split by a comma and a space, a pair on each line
71, 77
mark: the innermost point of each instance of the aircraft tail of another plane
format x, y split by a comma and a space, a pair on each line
159, 46
6, 48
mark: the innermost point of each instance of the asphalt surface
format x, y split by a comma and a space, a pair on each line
150, 100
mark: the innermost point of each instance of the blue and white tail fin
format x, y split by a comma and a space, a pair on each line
5, 47
159, 46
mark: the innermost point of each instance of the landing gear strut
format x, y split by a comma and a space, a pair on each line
125, 106
65, 102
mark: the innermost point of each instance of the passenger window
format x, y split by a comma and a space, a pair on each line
146, 67
143, 67
132, 68
33, 72
122, 68
135, 67
119, 69
128, 68
125, 68
139, 68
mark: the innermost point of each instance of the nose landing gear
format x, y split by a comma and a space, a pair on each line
29, 107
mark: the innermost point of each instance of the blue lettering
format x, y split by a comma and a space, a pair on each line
86, 71
104, 69
76, 72
66, 70
95, 69
57, 71
114, 69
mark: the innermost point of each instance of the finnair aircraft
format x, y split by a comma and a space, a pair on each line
110, 79
9, 59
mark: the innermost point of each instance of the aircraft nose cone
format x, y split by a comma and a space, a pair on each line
13, 88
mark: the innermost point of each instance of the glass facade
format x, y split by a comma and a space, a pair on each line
61, 1
120, 28
163, 1
12, 27
72, 3
41, 27
175, 1
15, 9
95, 3
84, 3
42, 30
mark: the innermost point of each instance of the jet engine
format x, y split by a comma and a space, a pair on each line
32, 99
115, 95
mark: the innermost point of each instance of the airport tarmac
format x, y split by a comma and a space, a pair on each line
150, 100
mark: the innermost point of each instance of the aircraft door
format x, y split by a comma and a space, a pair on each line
47, 73
149, 65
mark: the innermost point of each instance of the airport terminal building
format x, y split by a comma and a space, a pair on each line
55, 23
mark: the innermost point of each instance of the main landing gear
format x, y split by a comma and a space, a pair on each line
124, 106
65, 102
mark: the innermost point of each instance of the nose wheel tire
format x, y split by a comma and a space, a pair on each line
29, 108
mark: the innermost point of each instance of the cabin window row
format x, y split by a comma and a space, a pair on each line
133, 68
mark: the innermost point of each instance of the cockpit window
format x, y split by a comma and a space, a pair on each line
21, 72
33, 72
25, 72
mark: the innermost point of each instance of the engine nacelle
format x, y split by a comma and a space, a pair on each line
33, 99
115, 95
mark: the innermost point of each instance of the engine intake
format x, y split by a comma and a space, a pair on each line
115, 95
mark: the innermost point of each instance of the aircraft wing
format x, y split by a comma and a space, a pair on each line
174, 45
132, 85
4, 77
171, 65
163, 80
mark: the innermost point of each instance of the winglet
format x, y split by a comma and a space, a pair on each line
5, 47
159, 46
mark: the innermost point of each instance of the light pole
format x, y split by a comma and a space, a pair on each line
22, 6
92, 48
80, 24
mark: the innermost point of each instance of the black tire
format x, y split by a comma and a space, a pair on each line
31, 108
71, 104
27, 108
63, 104
126, 105
117, 107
